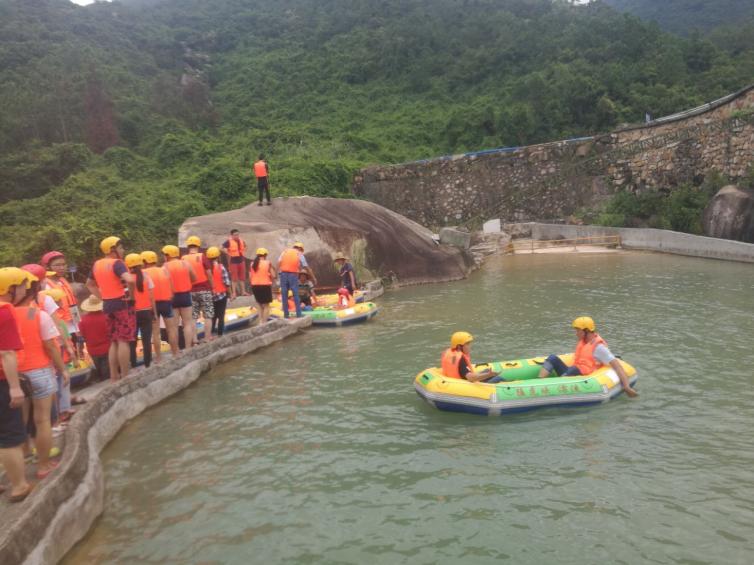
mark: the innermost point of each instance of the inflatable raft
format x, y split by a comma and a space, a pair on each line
80, 375
325, 300
332, 317
235, 319
522, 391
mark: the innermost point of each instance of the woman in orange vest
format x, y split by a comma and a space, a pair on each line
111, 282
182, 278
261, 274
235, 248
163, 302
591, 354
262, 172
222, 286
144, 306
41, 357
57, 267
456, 361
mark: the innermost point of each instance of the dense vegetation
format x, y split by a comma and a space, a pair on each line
128, 117
685, 16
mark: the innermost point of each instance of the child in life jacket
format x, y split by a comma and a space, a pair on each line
345, 299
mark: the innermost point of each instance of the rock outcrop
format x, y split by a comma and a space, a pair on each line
379, 242
730, 215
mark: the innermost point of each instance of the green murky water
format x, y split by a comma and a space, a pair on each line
318, 450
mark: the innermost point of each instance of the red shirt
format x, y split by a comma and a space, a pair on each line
93, 328
10, 339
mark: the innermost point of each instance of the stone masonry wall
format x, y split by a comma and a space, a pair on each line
554, 180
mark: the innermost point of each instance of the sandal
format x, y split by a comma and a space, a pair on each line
78, 400
21, 496
42, 473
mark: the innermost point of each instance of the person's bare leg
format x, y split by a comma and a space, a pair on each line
12, 459
112, 361
156, 342
124, 358
189, 327
43, 440
171, 326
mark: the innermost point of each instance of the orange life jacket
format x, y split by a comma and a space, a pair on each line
161, 280
196, 262
346, 301
260, 169
236, 248
290, 262
29, 326
449, 362
141, 299
110, 285
179, 274
69, 299
261, 277
584, 356
217, 279
18, 353
291, 304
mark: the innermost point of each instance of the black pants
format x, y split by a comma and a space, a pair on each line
144, 326
219, 319
264, 188
101, 367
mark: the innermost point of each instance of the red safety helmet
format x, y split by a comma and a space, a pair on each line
49, 256
37, 270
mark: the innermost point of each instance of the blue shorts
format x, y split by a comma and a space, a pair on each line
164, 308
43, 382
182, 300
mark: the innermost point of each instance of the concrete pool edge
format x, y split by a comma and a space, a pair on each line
63, 507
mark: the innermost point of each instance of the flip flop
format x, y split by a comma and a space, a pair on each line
43, 474
22, 496
54, 451
78, 400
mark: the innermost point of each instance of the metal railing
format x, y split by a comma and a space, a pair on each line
593, 241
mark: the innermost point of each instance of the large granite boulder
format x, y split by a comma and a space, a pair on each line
379, 242
730, 215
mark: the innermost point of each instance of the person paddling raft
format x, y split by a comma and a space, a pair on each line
591, 354
456, 361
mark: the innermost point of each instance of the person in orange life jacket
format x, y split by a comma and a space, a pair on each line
108, 281
291, 262
456, 361
591, 354
144, 307
163, 300
345, 272
182, 278
14, 284
57, 267
345, 299
261, 274
306, 293
202, 290
235, 248
222, 284
262, 172
40, 360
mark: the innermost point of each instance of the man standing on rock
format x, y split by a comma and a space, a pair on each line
262, 172
235, 248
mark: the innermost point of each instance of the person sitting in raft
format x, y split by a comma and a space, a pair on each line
456, 361
306, 291
591, 354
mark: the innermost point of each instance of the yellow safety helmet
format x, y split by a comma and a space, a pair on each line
583, 323
149, 256
460, 338
299, 245
213, 253
262, 251
171, 251
55, 293
134, 260
193, 241
107, 244
13, 276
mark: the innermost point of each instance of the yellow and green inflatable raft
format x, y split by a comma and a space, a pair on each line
330, 316
522, 390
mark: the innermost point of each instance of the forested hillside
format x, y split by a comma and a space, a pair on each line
685, 16
128, 117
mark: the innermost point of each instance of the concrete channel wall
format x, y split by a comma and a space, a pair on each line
642, 239
63, 507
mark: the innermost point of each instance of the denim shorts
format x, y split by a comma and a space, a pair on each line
182, 300
43, 382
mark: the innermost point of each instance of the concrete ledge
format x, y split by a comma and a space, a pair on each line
644, 239
63, 507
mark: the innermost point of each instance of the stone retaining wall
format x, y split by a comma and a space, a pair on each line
63, 507
643, 239
555, 180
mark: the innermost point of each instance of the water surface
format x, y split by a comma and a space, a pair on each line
318, 450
